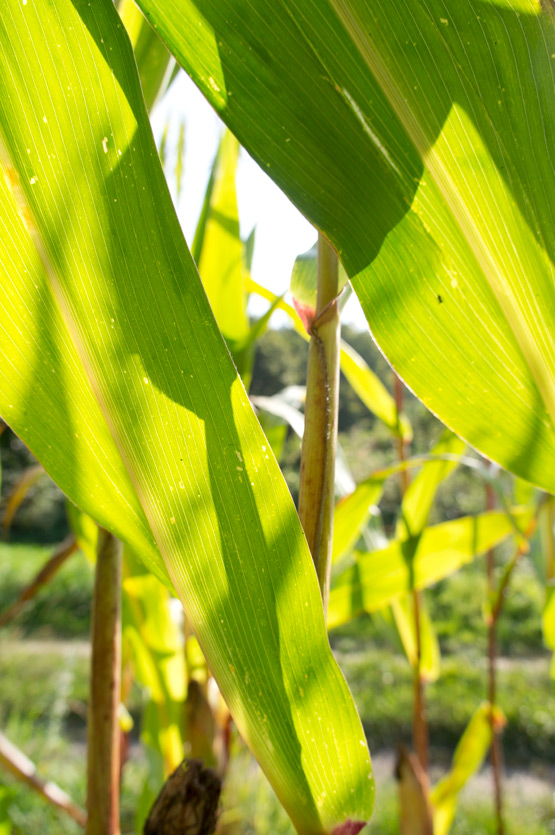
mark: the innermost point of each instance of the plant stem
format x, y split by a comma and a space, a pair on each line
60, 555
317, 480
496, 751
103, 728
420, 733
23, 769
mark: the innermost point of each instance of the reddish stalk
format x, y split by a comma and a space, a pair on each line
23, 769
103, 770
496, 750
420, 732
60, 555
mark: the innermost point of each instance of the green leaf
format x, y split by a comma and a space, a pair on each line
304, 279
420, 494
154, 62
158, 655
467, 760
372, 392
163, 143
353, 512
179, 160
221, 256
403, 612
85, 531
548, 617
415, 509
221, 261
114, 373
381, 576
418, 136
249, 248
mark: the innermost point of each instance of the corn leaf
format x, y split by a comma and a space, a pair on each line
154, 62
304, 278
114, 373
418, 136
221, 259
415, 509
379, 577
467, 759
403, 612
420, 494
352, 512
368, 386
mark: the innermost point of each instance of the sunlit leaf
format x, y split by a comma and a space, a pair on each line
548, 620
379, 577
85, 531
179, 159
158, 657
467, 759
415, 509
353, 512
154, 62
221, 260
114, 373
429, 661
420, 494
372, 391
418, 136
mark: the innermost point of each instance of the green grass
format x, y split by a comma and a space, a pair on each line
62, 608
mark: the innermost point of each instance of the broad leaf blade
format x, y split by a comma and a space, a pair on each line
419, 497
154, 62
221, 260
353, 511
372, 392
467, 759
403, 612
116, 376
381, 576
418, 136
415, 509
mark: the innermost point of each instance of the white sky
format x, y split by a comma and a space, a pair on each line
282, 232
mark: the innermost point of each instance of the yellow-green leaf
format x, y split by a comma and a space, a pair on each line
115, 374
381, 576
418, 136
